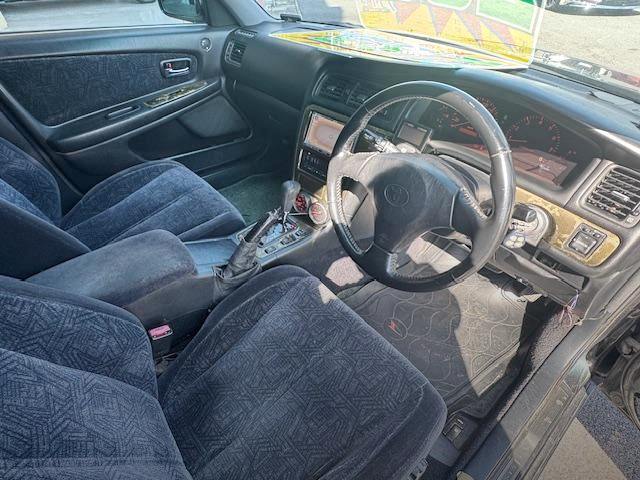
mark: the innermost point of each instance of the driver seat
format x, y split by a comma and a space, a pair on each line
282, 381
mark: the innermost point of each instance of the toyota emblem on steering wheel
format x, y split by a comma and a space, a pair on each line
396, 195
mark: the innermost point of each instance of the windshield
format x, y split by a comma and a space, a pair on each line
594, 41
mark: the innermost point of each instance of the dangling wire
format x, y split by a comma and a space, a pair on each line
568, 315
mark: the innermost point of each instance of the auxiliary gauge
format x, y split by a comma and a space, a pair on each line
318, 213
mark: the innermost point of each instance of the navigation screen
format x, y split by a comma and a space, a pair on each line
322, 133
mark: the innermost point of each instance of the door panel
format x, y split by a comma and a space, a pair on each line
216, 118
100, 101
58, 89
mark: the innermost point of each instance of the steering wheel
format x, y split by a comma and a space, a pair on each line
415, 193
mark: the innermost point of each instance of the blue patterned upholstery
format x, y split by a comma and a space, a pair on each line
34, 182
12, 196
163, 195
76, 332
159, 195
78, 391
62, 423
283, 381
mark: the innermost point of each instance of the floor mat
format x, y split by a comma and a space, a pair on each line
254, 195
464, 339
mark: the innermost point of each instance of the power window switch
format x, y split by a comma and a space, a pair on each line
583, 243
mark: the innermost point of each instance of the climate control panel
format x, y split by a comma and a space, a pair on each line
314, 164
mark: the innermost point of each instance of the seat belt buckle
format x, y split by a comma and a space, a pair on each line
161, 338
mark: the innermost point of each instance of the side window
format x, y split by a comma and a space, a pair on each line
48, 15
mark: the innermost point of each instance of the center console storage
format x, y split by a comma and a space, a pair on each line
154, 275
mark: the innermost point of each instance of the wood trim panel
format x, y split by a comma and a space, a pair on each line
566, 225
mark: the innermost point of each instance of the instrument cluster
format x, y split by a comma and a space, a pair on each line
540, 147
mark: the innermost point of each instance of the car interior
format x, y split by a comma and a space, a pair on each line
225, 255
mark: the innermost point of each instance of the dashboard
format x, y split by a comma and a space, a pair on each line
576, 155
541, 148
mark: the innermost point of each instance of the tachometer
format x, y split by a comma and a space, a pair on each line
447, 117
535, 132
453, 126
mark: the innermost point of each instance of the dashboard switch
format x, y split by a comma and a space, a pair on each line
583, 243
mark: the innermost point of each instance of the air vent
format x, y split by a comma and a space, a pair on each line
235, 52
336, 88
618, 195
360, 94
349, 92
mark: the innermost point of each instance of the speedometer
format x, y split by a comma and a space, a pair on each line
535, 132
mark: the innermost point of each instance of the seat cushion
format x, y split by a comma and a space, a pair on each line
160, 195
285, 381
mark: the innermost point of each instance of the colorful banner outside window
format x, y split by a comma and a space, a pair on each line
496, 34
508, 28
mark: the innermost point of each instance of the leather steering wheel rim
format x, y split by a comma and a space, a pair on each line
412, 191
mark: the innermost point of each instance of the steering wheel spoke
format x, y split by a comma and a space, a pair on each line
382, 262
351, 165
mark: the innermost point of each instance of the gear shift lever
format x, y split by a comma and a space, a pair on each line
244, 264
288, 193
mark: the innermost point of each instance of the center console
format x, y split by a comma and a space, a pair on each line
210, 254
320, 136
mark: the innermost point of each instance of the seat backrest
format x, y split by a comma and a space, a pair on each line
29, 211
76, 332
78, 391
58, 422
27, 184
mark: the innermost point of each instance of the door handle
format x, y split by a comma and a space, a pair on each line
175, 67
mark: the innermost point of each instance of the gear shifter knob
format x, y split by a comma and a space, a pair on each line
288, 193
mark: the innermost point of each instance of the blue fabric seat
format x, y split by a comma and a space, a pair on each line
159, 195
283, 381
